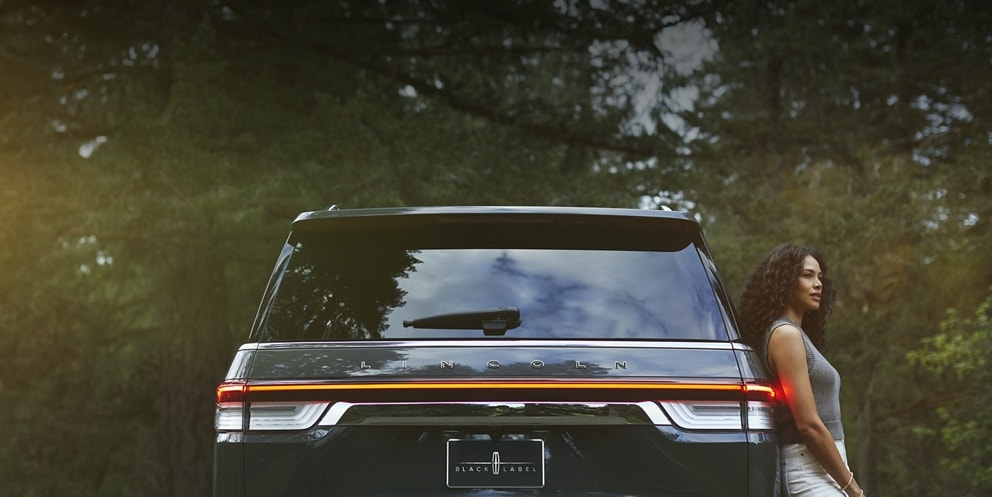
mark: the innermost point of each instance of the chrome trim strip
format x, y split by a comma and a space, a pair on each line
276, 416
651, 410
654, 412
335, 413
705, 414
496, 344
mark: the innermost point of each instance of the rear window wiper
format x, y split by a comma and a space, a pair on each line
493, 321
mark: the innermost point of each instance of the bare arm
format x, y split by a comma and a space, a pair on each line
787, 356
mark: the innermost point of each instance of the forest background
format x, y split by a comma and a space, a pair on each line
153, 153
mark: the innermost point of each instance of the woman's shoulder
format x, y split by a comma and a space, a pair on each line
788, 336
786, 326
783, 329
773, 330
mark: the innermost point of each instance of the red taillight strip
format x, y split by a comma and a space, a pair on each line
493, 390
486, 385
760, 392
232, 391
238, 391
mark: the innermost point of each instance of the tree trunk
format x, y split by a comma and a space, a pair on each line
193, 311
866, 445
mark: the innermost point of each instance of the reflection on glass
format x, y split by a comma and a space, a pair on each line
337, 294
365, 293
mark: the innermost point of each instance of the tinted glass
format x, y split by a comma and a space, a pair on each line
361, 293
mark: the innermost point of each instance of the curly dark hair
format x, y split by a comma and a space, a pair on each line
771, 285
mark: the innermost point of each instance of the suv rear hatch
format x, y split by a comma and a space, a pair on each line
485, 351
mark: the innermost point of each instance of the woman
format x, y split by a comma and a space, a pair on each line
783, 313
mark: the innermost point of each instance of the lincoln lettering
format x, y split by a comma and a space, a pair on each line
495, 364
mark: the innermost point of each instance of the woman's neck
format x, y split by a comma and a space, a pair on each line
793, 315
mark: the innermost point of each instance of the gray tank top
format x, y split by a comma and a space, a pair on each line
826, 390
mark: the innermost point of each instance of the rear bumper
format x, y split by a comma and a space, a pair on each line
589, 449
379, 461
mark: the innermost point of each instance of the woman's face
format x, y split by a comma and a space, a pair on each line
808, 290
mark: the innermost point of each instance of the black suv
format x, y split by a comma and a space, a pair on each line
455, 351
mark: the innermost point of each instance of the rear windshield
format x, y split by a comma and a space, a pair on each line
340, 292
360, 292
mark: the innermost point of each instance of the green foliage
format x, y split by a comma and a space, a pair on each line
958, 359
853, 128
130, 275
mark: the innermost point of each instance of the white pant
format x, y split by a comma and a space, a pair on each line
803, 476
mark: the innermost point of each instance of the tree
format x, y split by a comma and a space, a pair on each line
153, 153
957, 359
184, 136
852, 127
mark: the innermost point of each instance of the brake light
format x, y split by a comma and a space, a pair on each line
760, 392
230, 406
726, 415
262, 416
232, 391
760, 406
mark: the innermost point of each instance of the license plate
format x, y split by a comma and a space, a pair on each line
495, 463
